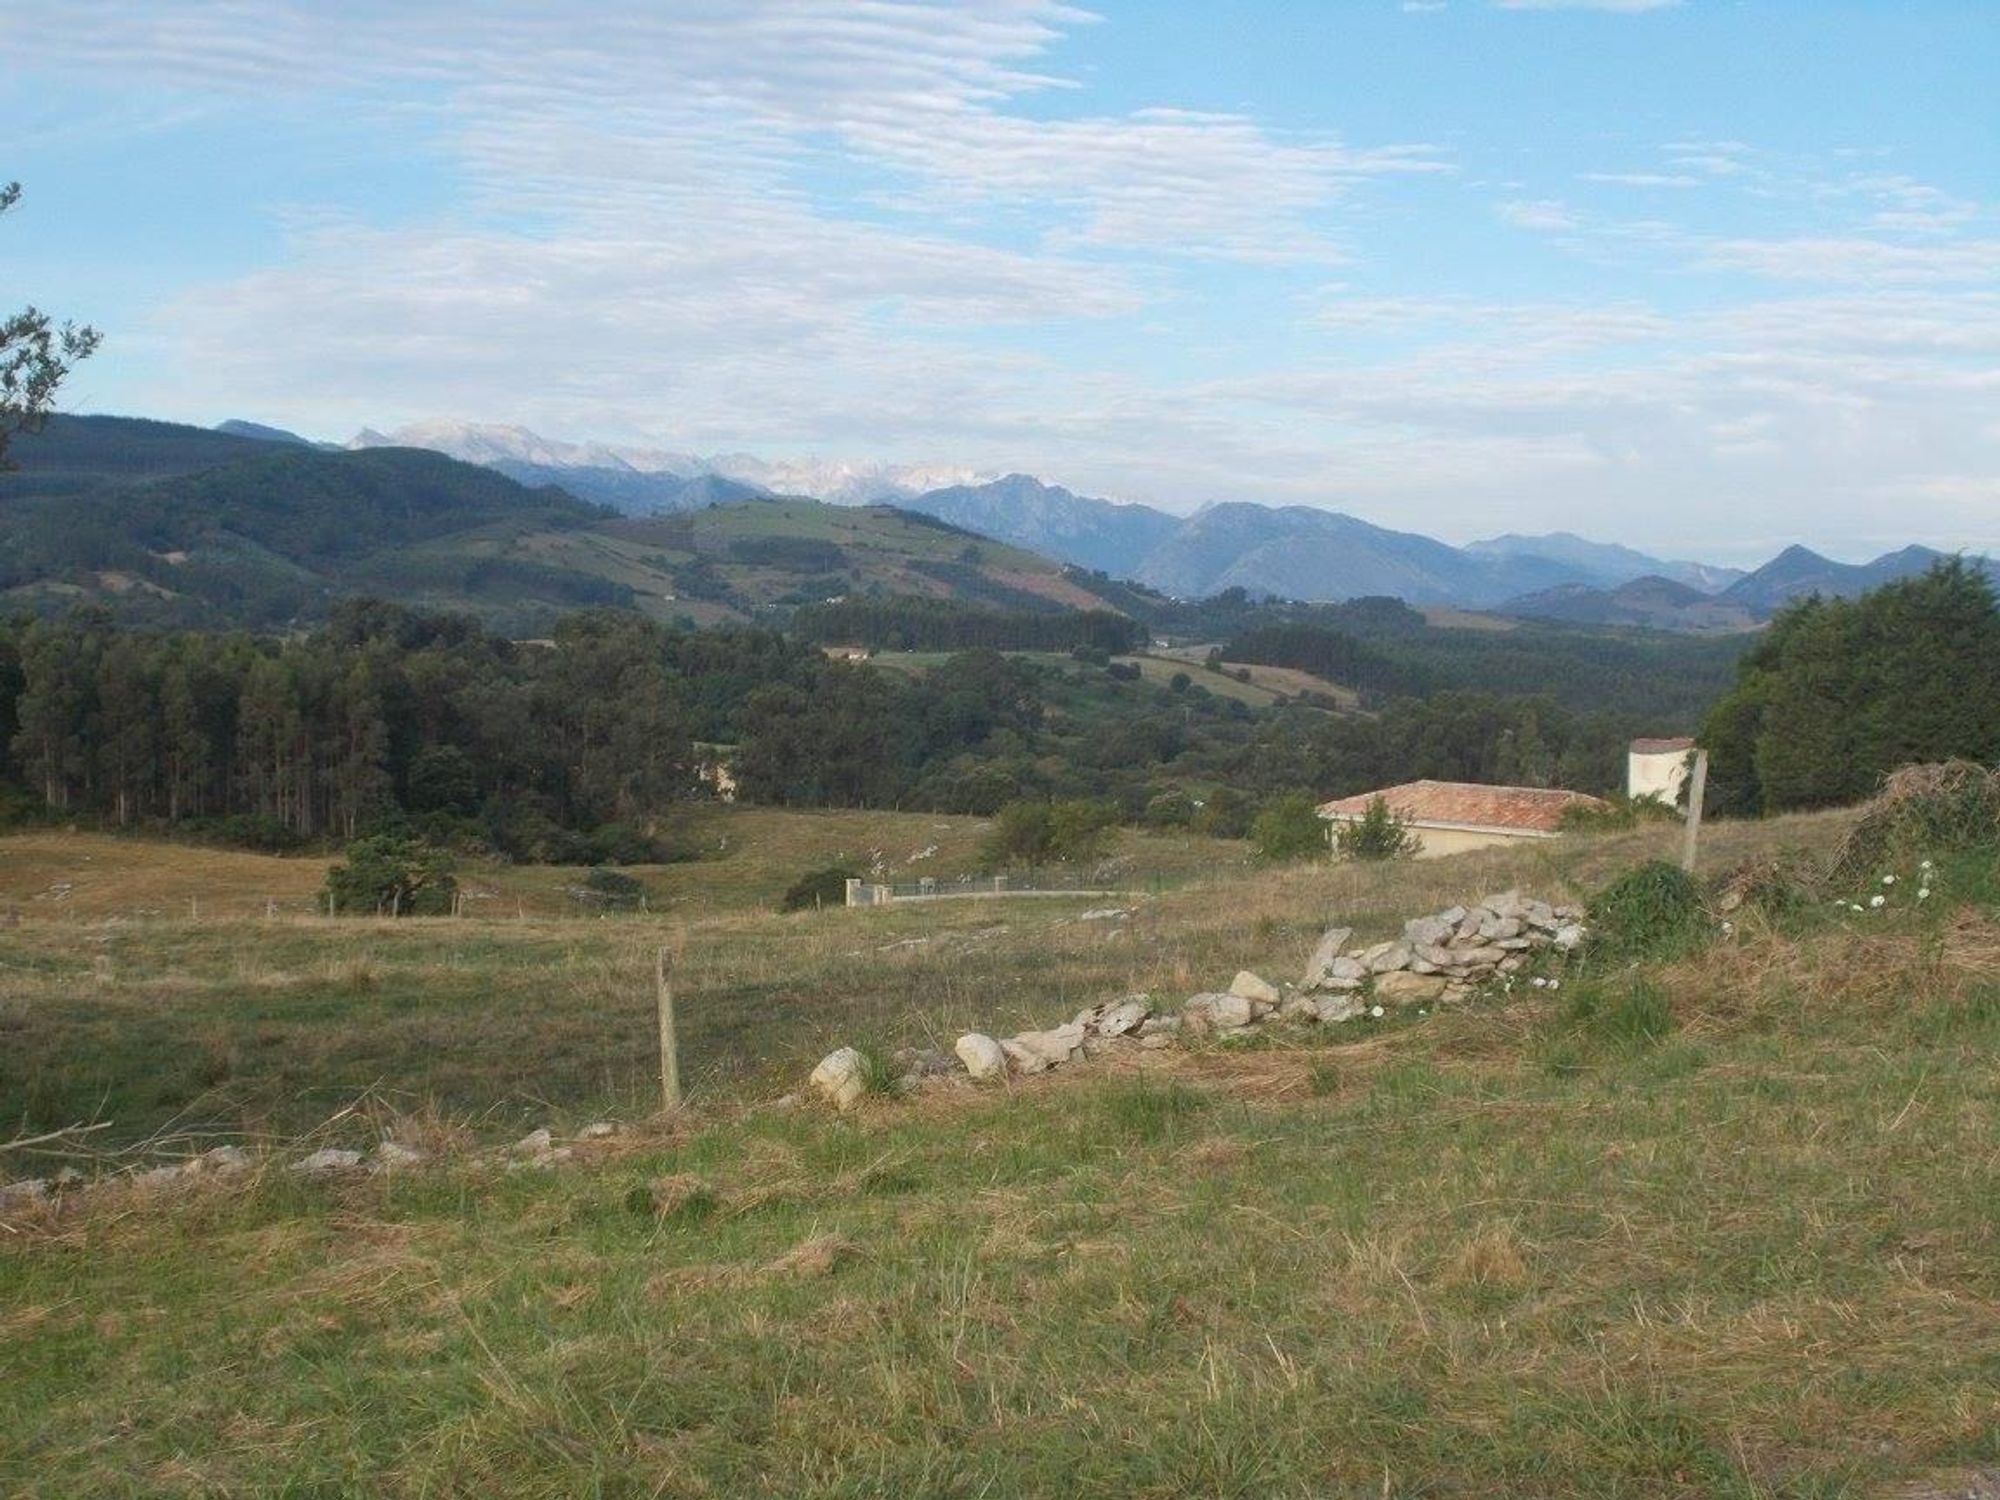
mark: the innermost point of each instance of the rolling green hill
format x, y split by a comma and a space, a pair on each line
181, 525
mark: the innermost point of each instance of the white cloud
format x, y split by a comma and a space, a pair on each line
1625, 7
1641, 179
1544, 214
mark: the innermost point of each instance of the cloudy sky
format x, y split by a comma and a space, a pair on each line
1706, 276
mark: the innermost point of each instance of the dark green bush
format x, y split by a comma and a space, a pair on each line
612, 890
1289, 828
1043, 833
1654, 911
390, 875
1380, 834
818, 888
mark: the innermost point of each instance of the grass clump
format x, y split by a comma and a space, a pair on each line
1652, 912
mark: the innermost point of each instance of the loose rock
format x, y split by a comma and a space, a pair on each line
841, 1078
1403, 988
1326, 956
981, 1055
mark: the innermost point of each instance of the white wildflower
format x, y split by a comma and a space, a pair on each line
1376, 1012
1555, 984
1923, 893
1888, 880
1878, 901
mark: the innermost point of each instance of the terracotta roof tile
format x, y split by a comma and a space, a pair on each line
1466, 805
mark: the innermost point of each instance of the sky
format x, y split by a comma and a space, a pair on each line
1703, 276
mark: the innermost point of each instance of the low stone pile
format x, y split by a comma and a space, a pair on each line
537, 1149
1438, 959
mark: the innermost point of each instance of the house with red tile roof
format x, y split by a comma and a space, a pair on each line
1454, 816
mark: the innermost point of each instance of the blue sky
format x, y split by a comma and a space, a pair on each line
1707, 277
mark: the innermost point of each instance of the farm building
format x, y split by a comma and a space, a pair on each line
1454, 816
1657, 768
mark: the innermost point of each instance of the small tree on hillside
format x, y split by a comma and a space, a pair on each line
1288, 828
392, 876
1379, 834
1041, 833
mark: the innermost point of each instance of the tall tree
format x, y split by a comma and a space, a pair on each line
36, 353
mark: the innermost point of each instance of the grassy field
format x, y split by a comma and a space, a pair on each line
1729, 1226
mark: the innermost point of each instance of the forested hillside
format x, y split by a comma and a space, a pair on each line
181, 526
1840, 691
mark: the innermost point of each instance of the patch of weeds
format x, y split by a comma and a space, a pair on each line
678, 1199
1323, 1078
1682, 1060
889, 1181
1563, 1059
1151, 1112
1634, 1013
1652, 912
880, 1077
1404, 1089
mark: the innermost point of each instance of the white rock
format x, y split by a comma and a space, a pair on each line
1024, 1059
1568, 936
598, 1130
1159, 1026
1261, 994
1126, 1016
840, 1078
1336, 1008
225, 1161
1226, 1012
1298, 1008
1326, 955
390, 1155
534, 1142
981, 1055
1389, 958
1157, 1041
1057, 1045
1403, 988
327, 1162
1422, 932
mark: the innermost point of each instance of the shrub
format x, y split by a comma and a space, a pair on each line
611, 889
818, 888
390, 874
1170, 810
1922, 811
1654, 911
1618, 812
1289, 828
1039, 833
1225, 815
1380, 834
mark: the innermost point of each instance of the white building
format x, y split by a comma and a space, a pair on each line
1657, 768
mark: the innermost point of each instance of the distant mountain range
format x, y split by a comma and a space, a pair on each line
256, 526
1295, 552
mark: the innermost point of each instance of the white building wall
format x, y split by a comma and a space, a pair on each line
1659, 774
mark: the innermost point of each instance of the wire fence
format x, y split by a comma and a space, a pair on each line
1061, 880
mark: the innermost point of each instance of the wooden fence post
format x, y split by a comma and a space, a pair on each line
1697, 790
670, 1049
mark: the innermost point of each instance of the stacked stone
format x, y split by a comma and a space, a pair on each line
1438, 958
1441, 957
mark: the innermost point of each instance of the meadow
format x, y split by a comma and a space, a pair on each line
1723, 1223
